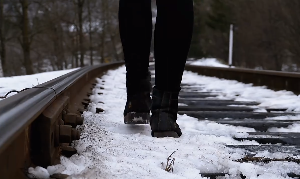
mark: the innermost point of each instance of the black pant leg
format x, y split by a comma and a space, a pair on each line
173, 33
135, 23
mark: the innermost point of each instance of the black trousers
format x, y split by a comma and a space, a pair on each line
172, 38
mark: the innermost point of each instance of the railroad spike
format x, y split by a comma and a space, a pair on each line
72, 119
67, 134
80, 110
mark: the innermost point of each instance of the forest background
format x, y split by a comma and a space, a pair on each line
47, 35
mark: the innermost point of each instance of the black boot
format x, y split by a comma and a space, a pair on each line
137, 108
164, 114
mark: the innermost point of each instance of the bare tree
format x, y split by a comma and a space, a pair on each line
43, 35
25, 37
80, 5
2, 41
90, 3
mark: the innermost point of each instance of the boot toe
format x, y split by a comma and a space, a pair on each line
164, 124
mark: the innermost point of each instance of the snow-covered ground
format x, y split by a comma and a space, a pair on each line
28, 81
231, 89
213, 62
110, 149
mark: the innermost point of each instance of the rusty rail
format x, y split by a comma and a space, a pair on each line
37, 125
274, 80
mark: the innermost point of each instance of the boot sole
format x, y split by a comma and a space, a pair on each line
165, 134
137, 118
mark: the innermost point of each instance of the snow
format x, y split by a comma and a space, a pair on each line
28, 81
38, 172
288, 117
208, 62
137, 119
291, 128
108, 148
234, 90
182, 104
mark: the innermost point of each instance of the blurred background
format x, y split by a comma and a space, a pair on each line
48, 35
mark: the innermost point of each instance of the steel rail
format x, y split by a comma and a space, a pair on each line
274, 80
273, 142
19, 111
24, 107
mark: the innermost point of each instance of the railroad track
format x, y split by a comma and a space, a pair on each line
241, 113
38, 125
218, 111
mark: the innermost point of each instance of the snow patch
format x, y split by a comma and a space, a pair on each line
137, 119
234, 90
28, 81
292, 128
213, 62
38, 172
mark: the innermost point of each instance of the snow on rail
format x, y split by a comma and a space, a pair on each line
213, 62
28, 81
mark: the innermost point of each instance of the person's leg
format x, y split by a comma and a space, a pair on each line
135, 23
173, 33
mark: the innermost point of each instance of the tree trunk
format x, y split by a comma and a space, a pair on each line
58, 46
62, 49
90, 33
75, 48
81, 48
2, 40
112, 38
76, 59
103, 34
25, 36
102, 45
